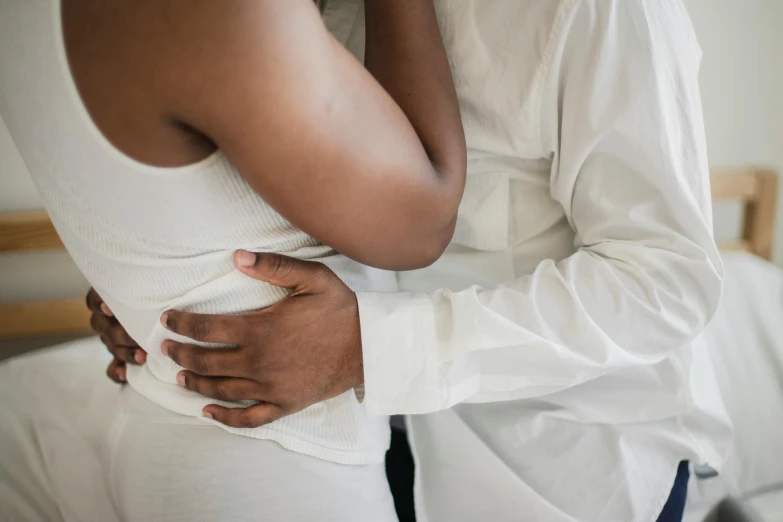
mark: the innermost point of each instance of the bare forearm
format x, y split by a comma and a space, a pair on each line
405, 53
374, 166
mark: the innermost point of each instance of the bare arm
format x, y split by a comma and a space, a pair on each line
373, 168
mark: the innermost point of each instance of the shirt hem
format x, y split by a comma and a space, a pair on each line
141, 381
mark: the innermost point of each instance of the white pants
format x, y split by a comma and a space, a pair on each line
74, 446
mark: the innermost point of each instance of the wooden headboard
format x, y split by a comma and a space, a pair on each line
756, 189
31, 231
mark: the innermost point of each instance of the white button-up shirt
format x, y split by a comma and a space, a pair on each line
554, 348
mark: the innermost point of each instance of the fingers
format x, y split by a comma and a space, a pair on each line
116, 333
93, 300
250, 417
117, 340
117, 372
106, 310
282, 271
221, 388
95, 303
100, 324
113, 335
125, 354
224, 329
215, 362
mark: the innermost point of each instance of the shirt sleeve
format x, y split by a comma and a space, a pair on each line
621, 116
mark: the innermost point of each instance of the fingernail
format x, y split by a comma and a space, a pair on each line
122, 374
140, 356
207, 415
245, 258
164, 348
164, 319
181, 379
106, 310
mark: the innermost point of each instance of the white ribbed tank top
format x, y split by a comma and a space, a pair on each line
151, 239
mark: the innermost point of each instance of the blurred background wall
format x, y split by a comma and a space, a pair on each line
742, 90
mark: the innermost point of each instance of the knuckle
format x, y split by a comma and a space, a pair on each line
116, 334
220, 392
249, 420
274, 262
279, 266
200, 364
202, 329
122, 354
221, 365
258, 364
251, 331
95, 323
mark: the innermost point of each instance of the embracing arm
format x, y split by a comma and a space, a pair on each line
373, 167
630, 171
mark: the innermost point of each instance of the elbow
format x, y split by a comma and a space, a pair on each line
421, 247
430, 224
687, 299
436, 237
431, 247
663, 299
418, 235
411, 247
695, 311
700, 276
710, 288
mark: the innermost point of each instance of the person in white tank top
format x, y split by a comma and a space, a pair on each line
151, 129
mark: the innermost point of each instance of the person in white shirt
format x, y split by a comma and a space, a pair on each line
551, 360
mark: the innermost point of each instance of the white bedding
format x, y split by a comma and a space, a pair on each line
745, 339
746, 347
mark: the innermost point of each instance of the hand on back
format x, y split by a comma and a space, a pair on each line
124, 349
302, 350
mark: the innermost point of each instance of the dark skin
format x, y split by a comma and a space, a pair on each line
124, 349
371, 162
302, 350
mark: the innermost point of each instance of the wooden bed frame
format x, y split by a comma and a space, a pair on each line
29, 231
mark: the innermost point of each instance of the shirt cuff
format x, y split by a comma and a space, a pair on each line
399, 345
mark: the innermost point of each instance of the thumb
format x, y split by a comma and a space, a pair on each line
275, 269
250, 417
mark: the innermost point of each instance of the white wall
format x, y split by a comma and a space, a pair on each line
742, 89
742, 86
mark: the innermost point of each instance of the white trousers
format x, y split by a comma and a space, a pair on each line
76, 447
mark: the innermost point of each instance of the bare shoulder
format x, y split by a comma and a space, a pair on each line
139, 64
